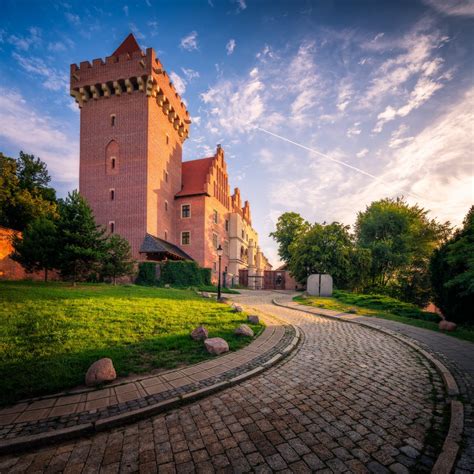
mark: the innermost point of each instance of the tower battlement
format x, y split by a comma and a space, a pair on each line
130, 70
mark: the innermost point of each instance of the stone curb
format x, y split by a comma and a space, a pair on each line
446, 459
41, 439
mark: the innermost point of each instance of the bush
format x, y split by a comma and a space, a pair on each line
387, 304
146, 274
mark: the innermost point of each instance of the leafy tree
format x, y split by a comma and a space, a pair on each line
289, 227
117, 260
401, 240
452, 273
33, 175
36, 249
327, 249
82, 243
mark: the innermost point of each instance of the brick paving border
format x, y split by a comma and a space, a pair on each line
265, 351
451, 445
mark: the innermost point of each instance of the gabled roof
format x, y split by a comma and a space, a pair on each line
155, 245
129, 45
194, 176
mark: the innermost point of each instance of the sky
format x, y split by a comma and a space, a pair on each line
321, 106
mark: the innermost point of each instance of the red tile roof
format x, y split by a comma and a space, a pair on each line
194, 174
129, 45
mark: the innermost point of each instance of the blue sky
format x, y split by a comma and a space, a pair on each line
384, 87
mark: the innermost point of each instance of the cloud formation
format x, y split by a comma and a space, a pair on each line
190, 42
230, 46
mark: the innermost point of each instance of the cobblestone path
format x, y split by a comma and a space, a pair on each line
349, 399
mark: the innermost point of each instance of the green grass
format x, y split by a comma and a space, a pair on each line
381, 306
213, 289
51, 332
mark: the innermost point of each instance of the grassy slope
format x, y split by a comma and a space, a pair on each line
51, 333
359, 305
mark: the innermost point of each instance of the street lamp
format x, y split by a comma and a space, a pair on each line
219, 254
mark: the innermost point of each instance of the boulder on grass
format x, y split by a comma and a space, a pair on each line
244, 330
200, 333
100, 371
447, 325
253, 319
216, 345
237, 309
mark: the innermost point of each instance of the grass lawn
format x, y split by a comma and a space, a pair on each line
382, 307
51, 332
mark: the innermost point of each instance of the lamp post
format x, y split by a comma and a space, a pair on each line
219, 254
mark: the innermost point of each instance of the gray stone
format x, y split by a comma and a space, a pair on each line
237, 308
216, 345
100, 371
200, 333
253, 319
244, 330
319, 285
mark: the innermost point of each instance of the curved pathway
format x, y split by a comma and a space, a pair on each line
349, 399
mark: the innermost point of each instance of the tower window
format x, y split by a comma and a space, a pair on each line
112, 194
186, 211
185, 238
112, 120
166, 235
167, 139
112, 227
112, 162
166, 176
166, 206
227, 225
216, 217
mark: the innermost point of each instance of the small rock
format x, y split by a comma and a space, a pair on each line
100, 371
253, 319
223, 299
237, 308
447, 325
244, 330
216, 345
200, 333
205, 295
167, 285
410, 451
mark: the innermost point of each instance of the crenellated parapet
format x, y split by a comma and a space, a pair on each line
133, 72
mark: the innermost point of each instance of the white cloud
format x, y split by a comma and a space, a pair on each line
265, 156
196, 120
241, 5
190, 73
230, 46
73, 18
138, 34
153, 25
344, 95
398, 138
189, 42
178, 82
452, 7
57, 47
362, 153
32, 132
354, 130
24, 43
53, 79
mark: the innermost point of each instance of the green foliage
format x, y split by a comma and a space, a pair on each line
146, 274
289, 227
37, 248
401, 240
117, 260
24, 194
184, 274
52, 332
452, 274
81, 242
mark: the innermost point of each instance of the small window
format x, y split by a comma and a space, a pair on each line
112, 194
216, 217
226, 248
214, 265
112, 120
112, 162
186, 211
166, 206
166, 176
112, 227
185, 238
214, 240
243, 234
166, 235
227, 225
167, 139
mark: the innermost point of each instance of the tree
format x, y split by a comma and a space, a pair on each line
289, 227
117, 260
401, 240
82, 243
36, 249
452, 273
33, 175
327, 249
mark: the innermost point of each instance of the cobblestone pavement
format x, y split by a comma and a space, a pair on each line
349, 399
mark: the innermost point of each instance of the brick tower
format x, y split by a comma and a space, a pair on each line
133, 126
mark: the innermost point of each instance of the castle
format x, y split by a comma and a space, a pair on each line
132, 129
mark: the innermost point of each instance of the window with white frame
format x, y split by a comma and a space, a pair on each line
185, 238
185, 211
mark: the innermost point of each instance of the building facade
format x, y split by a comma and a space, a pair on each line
133, 127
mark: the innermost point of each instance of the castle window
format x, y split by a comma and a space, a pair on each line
185, 238
214, 266
112, 194
243, 234
186, 211
112, 162
166, 176
112, 227
166, 235
227, 225
214, 240
167, 139
112, 120
166, 206
226, 248
216, 217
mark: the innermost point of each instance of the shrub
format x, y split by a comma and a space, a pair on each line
184, 273
146, 274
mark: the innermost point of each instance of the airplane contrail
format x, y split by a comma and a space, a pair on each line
347, 165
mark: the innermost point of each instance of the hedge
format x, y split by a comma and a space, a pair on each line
176, 273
